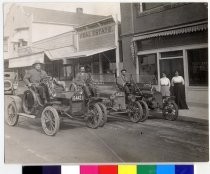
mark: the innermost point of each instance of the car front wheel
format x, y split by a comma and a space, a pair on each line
94, 116
50, 120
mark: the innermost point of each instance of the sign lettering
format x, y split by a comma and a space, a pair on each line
96, 32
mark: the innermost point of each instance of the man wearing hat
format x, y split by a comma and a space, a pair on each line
84, 79
34, 76
123, 80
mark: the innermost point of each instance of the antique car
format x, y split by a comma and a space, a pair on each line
117, 102
72, 104
154, 99
10, 82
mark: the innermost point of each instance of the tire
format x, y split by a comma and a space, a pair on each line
95, 116
145, 111
7, 85
104, 114
136, 113
12, 114
50, 121
170, 111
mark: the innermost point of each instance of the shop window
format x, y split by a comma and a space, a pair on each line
198, 67
148, 68
149, 6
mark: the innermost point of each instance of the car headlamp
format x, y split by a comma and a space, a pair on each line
112, 97
15, 86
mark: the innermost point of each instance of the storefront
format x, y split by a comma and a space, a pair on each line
183, 49
97, 49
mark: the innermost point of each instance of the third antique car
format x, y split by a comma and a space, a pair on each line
117, 102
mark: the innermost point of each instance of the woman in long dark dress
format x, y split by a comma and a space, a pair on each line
177, 83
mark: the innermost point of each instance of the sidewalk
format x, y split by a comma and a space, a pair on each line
195, 113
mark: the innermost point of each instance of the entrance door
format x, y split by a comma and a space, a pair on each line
169, 66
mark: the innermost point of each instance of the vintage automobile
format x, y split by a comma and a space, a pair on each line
154, 99
72, 104
117, 102
10, 82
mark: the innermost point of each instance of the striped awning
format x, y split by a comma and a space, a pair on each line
173, 31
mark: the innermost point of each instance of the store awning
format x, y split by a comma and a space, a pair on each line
60, 53
173, 31
24, 61
89, 52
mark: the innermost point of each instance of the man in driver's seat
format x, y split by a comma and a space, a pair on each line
84, 79
123, 80
34, 76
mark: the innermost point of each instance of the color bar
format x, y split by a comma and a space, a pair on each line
32, 170
127, 169
51, 170
146, 169
163, 169
108, 169
184, 169
91, 169
70, 169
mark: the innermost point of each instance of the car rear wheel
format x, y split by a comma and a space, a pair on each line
136, 112
104, 114
95, 116
170, 111
145, 111
50, 120
12, 114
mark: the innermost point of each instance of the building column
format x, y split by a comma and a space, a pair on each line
100, 64
100, 68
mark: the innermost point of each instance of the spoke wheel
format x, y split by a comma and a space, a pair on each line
136, 112
170, 111
50, 120
12, 115
145, 110
95, 116
104, 114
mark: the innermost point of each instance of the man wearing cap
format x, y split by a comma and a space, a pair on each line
34, 76
123, 80
84, 79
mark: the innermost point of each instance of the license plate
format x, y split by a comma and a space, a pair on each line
77, 98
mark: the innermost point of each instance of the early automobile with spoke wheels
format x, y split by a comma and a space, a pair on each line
71, 103
117, 102
146, 92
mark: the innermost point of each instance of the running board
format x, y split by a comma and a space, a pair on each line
26, 115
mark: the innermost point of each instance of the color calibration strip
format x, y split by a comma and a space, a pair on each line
110, 169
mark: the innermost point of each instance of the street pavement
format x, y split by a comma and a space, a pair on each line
155, 140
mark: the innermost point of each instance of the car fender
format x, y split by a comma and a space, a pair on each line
18, 101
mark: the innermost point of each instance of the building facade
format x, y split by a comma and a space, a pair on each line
25, 25
41, 34
167, 37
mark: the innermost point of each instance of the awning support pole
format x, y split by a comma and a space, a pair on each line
117, 47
